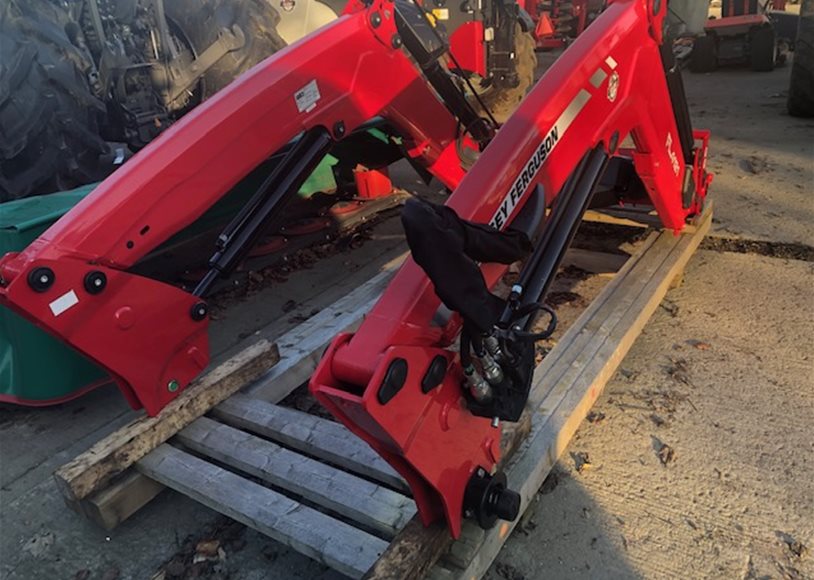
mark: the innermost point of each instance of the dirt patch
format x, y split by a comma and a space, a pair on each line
608, 238
204, 556
789, 251
302, 400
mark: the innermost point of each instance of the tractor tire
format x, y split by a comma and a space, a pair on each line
503, 102
762, 49
49, 119
704, 55
801, 88
200, 21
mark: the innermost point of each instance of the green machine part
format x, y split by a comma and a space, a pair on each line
37, 369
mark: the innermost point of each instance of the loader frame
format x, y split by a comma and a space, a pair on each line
614, 82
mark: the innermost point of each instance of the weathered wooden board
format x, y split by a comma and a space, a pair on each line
310, 532
97, 467
113, 504
309, 434
357, 499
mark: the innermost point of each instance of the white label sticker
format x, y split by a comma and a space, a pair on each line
307, 97
64, 302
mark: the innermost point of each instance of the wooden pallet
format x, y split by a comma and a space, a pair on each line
308, 483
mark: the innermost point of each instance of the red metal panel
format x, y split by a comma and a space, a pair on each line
467, 45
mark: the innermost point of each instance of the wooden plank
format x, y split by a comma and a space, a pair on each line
310, 532
97, 467
580, 341
558, 418
112, 505
412, 555
372, 505
309, 434
641, 218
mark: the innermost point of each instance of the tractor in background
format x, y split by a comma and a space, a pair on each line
85, 84
558, 22
746, 32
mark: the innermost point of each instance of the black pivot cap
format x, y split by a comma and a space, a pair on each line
435, 374
41, 279
393, 381
488, 499
95, 282
199, 311
506, 504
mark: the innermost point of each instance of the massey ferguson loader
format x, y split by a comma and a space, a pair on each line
440, 361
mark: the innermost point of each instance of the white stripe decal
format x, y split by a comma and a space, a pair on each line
598, 78
610, 62
64, 302
537, 160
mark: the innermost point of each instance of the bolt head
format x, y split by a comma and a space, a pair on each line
199, 311
173, 386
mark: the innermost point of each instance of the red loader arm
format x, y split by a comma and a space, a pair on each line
152, 337
395, 382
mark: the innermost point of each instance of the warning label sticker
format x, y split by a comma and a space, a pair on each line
64, 302
307, 97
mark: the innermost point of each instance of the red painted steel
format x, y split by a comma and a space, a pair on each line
431, 439
466, 43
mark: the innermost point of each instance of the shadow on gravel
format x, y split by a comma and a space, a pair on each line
564, 534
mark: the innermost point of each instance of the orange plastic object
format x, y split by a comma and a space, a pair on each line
373, 183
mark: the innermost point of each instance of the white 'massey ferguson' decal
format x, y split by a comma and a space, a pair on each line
538, 159
672, 155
